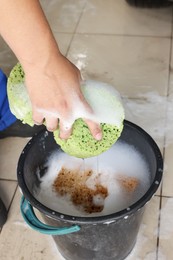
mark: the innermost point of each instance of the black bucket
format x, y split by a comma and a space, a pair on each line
110, 237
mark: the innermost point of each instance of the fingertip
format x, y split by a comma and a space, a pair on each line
65, 131
64, 136
98, 136
95, 129
51, 129
51, 124
37, 118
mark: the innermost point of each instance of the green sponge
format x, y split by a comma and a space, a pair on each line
19, 101
81, 143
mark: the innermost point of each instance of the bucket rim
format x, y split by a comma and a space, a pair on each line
105, 219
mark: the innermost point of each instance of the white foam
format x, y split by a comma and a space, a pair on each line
121, 159
105, 102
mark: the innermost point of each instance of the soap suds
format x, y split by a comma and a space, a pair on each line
121, 162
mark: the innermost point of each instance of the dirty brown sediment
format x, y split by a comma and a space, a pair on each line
73, 183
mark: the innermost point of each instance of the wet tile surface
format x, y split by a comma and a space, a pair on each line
10, 150
18, 241
133, 64
63, 16
131, 49
166, 230
7, 191
146, 245
117, 17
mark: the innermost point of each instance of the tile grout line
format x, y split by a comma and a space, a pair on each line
111, 34
170, 58
2, 179
164, 196
125, 35
10, 204
158, 230
14, 194
74, 32
141, 98
166, 120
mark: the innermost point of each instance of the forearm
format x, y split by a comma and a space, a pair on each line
24, 27
52, 81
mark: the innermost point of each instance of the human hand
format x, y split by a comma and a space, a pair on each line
55, 93
53, 82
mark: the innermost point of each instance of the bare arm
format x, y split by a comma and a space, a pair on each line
52, 80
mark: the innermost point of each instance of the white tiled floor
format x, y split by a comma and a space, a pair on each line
132, 49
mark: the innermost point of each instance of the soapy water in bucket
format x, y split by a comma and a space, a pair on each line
95, 186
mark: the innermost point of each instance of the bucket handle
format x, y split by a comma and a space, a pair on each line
31, 219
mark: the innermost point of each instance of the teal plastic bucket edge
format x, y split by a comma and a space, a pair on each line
31, 219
